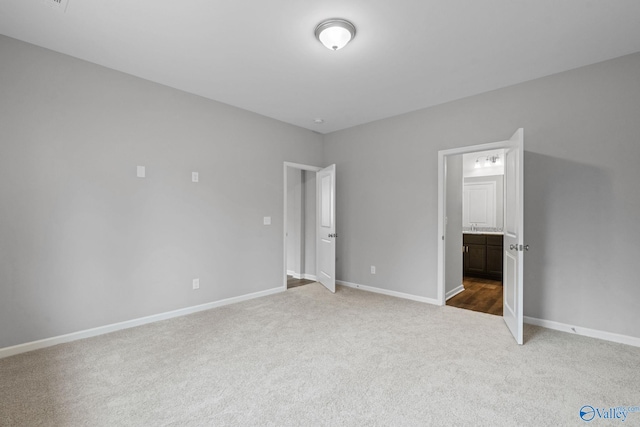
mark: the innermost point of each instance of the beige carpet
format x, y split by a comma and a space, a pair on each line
307, 357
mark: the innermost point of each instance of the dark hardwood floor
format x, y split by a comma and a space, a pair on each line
483, 295
292, 282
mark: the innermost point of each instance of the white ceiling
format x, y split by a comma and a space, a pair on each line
262, 55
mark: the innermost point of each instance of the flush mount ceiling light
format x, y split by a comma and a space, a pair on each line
335, 33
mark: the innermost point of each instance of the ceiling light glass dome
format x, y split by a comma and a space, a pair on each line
335, 33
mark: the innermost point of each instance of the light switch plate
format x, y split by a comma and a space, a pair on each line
195, 177
266, 220
141, 172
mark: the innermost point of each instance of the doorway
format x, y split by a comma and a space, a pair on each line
324, 269
299, 224
449, 232
481, 211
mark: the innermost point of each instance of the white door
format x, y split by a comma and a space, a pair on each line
479, 204
514, 235
326, 227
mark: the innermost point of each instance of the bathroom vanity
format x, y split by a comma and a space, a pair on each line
482, 254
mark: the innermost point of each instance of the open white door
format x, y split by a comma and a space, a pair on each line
326, 227
514, 235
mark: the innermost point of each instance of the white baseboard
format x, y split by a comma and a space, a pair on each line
453, 292
411, 297
302, 275
48, 342
593, 333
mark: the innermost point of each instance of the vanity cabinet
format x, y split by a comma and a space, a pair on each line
475, 254
483, 255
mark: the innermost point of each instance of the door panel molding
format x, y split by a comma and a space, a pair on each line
510, 296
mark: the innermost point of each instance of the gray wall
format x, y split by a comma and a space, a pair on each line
499, 180
453, 231
83, 242
581, 198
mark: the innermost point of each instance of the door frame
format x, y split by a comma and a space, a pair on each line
284, 216
442, 194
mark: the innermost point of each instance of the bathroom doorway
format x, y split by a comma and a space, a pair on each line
450, 245
311, 232
482, 216
300, 225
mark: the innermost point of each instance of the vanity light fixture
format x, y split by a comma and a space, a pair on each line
335, 33
488, 161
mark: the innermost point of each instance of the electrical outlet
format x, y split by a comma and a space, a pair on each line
195, 177
373, 269
196, 283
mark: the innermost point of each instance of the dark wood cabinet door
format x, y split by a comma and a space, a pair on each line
495, 240
483, 256
477, 258
494, 261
